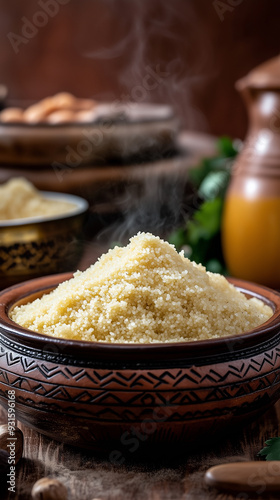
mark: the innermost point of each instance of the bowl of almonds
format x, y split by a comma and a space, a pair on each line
64, 129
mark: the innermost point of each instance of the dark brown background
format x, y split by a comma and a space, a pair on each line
101, 48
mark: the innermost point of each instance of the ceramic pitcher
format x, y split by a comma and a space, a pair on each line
251, 222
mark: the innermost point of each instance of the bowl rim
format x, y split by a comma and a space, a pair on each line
152, 115
231, 344
81, 207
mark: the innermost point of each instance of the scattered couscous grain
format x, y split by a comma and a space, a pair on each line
145, 292
20, 199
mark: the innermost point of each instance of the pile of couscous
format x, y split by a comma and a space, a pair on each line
145, 292
20, 199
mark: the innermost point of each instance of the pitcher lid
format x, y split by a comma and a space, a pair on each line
266, 75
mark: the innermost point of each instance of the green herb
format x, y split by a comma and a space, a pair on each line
272, 449
201, 236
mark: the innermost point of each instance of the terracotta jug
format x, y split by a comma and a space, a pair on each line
251, 221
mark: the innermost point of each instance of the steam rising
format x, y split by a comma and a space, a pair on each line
147, 37
158, 209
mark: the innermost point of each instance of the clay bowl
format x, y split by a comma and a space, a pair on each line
37, 246
119, 398
128, 130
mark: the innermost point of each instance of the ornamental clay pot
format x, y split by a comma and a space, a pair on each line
251, 222
119, 399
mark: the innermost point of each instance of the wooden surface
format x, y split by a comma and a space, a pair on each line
181, 478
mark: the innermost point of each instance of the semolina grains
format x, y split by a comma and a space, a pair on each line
145, 292
20, 199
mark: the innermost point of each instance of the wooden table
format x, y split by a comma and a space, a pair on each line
88, 477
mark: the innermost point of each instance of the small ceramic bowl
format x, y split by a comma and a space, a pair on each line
37, 246
121, 397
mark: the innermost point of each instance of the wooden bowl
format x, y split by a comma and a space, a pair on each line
145, 129
37, 246
119, 398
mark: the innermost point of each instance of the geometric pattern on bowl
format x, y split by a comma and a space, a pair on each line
116, 397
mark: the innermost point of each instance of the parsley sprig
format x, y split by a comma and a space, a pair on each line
201, 235
272, 449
